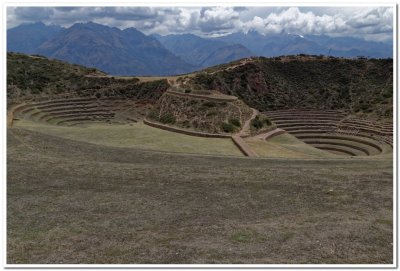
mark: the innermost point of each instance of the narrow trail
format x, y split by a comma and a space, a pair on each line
245, 131
241, 63
243, 146
10, 118
270, 134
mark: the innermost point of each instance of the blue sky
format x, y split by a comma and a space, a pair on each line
371, 23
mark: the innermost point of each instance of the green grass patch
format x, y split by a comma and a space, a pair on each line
137, 135
286, 146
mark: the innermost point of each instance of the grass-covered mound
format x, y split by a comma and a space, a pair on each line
200, 114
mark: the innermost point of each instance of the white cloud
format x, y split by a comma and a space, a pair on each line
294, 21
347, 21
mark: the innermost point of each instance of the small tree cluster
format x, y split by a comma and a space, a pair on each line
260, 121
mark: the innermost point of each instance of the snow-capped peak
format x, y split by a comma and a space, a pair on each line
301, 36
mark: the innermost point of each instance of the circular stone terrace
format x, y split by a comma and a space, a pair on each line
331, 131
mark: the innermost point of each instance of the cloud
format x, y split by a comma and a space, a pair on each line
364, 22
380, 19
369, 21
293, 20
218, 18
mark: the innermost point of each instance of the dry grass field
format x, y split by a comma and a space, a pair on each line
74, 197
137, 135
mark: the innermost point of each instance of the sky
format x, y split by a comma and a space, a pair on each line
371, 23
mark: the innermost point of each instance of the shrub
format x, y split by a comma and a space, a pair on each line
235, 122
388, 93
209, 104
212, 112
153, 115
388, 112
227, 127
203, 79
260, 121
167, 118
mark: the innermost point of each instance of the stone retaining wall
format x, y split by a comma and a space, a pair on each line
11, 113
274, 133
243, 147
183, 131
205, 97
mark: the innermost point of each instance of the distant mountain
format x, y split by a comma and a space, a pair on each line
284, 44
115, 51
130, 52
203, 52
252, 40
350, 47
26, 38
289, 44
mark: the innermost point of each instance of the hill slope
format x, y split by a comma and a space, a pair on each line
35, 78
357, 85
201, 114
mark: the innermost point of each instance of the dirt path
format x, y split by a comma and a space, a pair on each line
270, 134
241, 63
10, 118
245, 131
243, 146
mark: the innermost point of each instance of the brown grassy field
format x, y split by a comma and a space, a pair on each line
71, 201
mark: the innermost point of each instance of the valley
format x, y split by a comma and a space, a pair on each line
284, 160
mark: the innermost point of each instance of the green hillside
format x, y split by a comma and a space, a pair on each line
37, 77
362, 86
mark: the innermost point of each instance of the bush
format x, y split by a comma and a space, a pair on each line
212, 112
209, 104
227, 127
260, 121
167, 118
235, 122
153, 115
203, 79
388, 93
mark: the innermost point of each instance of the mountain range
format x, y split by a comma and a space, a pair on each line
203, 52
131, 52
